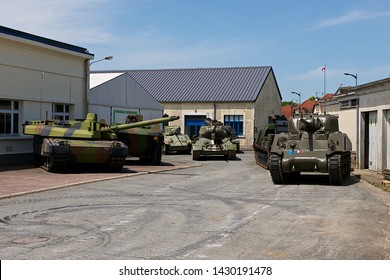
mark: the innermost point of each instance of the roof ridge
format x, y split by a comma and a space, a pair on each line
180, 69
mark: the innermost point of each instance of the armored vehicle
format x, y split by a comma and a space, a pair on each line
145, 141
313, 143
263, 141
59, 144
215, 139
175, 141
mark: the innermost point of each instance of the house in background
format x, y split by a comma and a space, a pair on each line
364, 114
243, 97
40, 78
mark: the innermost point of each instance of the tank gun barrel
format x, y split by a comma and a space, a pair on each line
119, 127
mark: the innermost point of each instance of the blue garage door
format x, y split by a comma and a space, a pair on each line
192, 124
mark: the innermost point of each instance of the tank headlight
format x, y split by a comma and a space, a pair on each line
293, 145
155, 138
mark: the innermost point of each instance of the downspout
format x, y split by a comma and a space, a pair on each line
357, 133
215, 111
87, 74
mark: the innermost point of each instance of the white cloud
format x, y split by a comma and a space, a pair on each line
349, 17
80, 21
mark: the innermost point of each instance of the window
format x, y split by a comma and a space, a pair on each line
61, 112
9, 117
348, 104
236, 122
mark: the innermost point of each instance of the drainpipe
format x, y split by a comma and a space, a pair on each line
357, 133
215, 111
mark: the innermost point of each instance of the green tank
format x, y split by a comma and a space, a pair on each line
145, 141
264, 138
175, 141
215, 139
313, 143
59, 144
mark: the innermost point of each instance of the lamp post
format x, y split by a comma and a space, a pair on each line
106, 58
355, 76
87, 77
299, 94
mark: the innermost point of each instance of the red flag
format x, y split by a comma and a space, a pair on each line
323, 68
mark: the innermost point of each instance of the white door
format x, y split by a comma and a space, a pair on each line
372, 138
387, 117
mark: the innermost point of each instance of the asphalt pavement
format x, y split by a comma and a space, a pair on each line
24, 179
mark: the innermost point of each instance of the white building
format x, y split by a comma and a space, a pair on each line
113, 100
39, 78
364, 114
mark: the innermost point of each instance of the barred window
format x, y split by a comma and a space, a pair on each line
9, 117
236, 122
61, 112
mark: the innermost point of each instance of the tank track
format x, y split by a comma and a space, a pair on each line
262, 157
339, 168
275, 169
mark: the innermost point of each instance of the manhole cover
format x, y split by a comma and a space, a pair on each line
30, 240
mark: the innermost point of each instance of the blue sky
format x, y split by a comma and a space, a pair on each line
296, 38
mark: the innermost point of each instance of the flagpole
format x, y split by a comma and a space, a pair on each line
324, 68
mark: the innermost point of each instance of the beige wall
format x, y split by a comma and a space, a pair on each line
255, 113
222, 109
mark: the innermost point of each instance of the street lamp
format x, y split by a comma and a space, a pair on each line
355, 76
106, 58
299, 94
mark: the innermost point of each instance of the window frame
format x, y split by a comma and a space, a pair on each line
63, 114
236, 122
11, 126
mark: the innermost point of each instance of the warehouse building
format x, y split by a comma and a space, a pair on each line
39, 78
243, 97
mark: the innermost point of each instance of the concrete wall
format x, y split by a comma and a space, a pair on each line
215, 111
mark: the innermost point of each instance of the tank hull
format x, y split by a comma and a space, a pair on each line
204, 147
177, 143
144, 143
58, 155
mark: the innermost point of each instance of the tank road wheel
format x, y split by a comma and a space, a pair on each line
195, 155
156, 156
166, 149
339, 168
231, 155
50, 164
275, 169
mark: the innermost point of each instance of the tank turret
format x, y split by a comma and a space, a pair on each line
312, 143
215, 139
58, 144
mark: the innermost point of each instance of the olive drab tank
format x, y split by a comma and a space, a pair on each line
145, 141
313, 143
175, 141
215, 139
264, 138
61, 144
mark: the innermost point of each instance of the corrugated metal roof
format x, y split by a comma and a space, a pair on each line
234, 84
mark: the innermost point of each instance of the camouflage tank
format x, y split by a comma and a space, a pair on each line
175, 141
145, 141
59, 144
215, 139
263, 141
313, 143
